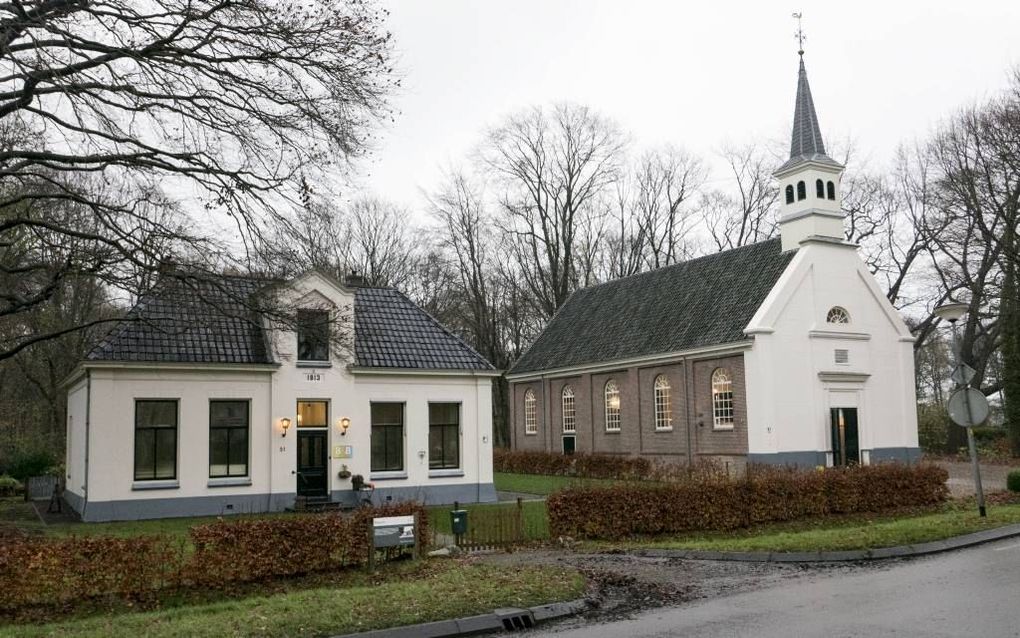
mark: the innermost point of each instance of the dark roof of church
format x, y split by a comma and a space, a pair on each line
806, 139
215, 320
702, 302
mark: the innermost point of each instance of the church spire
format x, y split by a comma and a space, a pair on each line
806, 141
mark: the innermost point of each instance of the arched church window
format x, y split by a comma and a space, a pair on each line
722, 399
837, 314
612, 406
663, 404
832, 191
801, 191
569, 410
819, 189
530, 413
789, 193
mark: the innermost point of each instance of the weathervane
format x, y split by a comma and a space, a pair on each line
800, 33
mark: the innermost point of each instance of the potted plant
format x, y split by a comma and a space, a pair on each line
344, 473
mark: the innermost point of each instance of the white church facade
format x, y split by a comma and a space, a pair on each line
784, 352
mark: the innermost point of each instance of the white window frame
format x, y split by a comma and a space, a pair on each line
612, 403
722, 399
663, 404
530, 412
568, 410
837, 315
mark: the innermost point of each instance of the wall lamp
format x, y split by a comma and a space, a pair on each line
285, 424
343, 424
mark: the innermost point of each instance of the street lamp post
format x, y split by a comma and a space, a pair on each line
952, 312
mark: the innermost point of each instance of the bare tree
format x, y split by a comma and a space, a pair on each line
747, 213
552, 165
228, 102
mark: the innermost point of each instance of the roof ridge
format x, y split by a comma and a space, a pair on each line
675, 265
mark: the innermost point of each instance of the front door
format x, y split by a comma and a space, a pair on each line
311, 463
846, 449
569, 443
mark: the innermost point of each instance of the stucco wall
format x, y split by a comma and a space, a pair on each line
77, 419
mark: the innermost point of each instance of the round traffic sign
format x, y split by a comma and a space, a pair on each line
958, 404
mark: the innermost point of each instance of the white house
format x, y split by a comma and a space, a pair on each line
194, 406
784, 351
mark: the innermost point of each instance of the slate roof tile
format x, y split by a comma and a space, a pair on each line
702, 302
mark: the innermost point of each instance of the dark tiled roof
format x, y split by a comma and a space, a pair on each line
211, 320
806, 140
391, 331
190, 320
701, 302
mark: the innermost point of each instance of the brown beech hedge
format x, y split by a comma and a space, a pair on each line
763, 495
39, 572
581, 465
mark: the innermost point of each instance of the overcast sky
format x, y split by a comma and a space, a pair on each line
696, 74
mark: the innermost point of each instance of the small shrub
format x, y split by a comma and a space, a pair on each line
933, 428
31, 464
717, 502
9, 486
1013, 481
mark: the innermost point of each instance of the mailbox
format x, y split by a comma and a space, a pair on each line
458, 522
393, 531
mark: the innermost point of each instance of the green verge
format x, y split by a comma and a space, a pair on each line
536, 522
544, 485
453, 589
844, 533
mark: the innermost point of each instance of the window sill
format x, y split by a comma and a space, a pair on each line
531, 434
228, 481
387, 476
613, 431
446, 473
161, 484
722, 428
574, 433
314, 364
669, 429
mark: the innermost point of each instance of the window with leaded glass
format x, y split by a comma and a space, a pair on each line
228, 438
837, 314
387, 437
569, 411
663, 404
444, 436
155, 439
722, 399
313, 335
612, 406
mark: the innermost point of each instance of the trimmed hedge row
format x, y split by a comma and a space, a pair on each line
48, 572
763, 495
598, 466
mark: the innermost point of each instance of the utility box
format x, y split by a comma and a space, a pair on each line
393, 531
458, 522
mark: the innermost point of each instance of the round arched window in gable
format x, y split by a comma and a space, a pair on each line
837, 314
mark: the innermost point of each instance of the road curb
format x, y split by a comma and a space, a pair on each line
901, 551
471, 625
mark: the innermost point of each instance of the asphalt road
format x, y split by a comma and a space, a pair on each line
972, 593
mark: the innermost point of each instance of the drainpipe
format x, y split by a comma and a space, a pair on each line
88, 421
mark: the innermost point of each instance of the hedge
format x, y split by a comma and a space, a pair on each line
598, 466
51, 572
763, 495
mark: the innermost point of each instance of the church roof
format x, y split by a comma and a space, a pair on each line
701, 302
213, 319
806, 143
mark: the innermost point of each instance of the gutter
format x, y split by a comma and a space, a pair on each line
428, 372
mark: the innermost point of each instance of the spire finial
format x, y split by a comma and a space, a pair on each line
800, 34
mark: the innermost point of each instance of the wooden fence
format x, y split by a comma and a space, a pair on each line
493, 528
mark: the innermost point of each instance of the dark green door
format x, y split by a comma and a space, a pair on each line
569, 443
846, 448
311, 463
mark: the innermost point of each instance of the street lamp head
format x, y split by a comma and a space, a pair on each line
951, 312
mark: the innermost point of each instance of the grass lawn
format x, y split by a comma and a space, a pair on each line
536, 523
436, 590
844, 533
544, 485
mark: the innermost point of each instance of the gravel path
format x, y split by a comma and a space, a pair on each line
961, 481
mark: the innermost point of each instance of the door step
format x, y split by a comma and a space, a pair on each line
315, 504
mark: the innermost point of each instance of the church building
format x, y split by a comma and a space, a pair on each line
784, 351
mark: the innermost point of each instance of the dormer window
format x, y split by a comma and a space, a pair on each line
819, 189
832, 191
837, 314
789, 193
313, 335
801, 191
